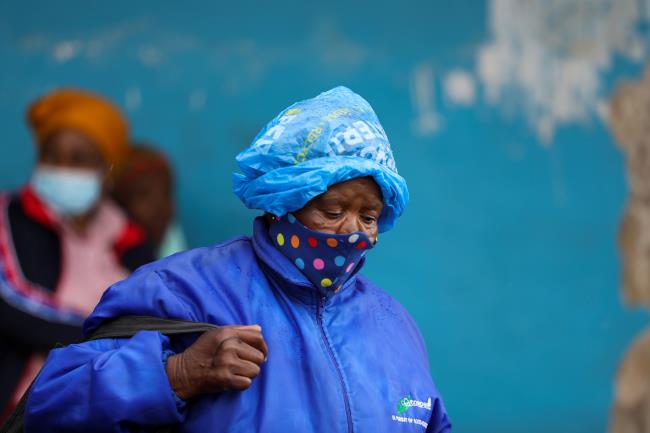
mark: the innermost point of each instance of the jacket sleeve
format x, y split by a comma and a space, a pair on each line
32, 332
32, 324
113, 385
105, 386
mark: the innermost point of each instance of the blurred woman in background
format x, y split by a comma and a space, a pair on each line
62, 241
144, 187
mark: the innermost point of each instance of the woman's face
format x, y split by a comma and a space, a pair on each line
148, 198
347, 207
69, 148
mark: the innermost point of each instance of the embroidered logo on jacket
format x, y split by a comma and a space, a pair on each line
404, 404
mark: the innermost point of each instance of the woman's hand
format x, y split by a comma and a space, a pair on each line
227, 358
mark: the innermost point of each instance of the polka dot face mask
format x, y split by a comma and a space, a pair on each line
327, 260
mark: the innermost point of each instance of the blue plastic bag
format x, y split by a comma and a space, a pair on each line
316, 143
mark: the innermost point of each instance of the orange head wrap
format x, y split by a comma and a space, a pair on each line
86, 112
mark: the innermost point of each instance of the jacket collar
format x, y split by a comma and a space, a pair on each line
283, 273
35, 209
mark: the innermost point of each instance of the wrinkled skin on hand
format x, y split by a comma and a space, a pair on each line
227, 358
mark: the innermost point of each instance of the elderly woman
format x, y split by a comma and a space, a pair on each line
305, 342
62, 241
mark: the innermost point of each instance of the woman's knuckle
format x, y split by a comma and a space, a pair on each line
223, 333
231, 360
221, 377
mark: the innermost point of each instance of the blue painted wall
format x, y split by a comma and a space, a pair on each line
507, 254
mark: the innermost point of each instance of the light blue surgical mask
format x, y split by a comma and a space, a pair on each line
68, 192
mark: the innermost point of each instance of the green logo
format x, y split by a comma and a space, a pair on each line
403, 405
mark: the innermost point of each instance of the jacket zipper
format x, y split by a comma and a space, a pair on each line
348, 412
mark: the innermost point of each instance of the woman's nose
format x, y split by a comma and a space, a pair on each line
350, 224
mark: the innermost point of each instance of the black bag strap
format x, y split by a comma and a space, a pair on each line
128, 326
119, 327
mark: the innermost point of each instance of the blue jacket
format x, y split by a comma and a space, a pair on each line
353, 361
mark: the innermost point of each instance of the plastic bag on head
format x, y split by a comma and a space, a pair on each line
313, 144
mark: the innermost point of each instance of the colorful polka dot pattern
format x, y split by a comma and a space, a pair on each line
327, 260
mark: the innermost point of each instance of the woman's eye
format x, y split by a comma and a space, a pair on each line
369, 219
332, 214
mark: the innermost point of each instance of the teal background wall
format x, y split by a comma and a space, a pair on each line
507, 254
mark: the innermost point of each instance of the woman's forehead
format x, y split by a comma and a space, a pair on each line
70, 140
364, 187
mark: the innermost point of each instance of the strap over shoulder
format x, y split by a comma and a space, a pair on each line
128, 326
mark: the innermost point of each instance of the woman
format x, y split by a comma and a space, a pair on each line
144, 187
337, 353
61, 240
